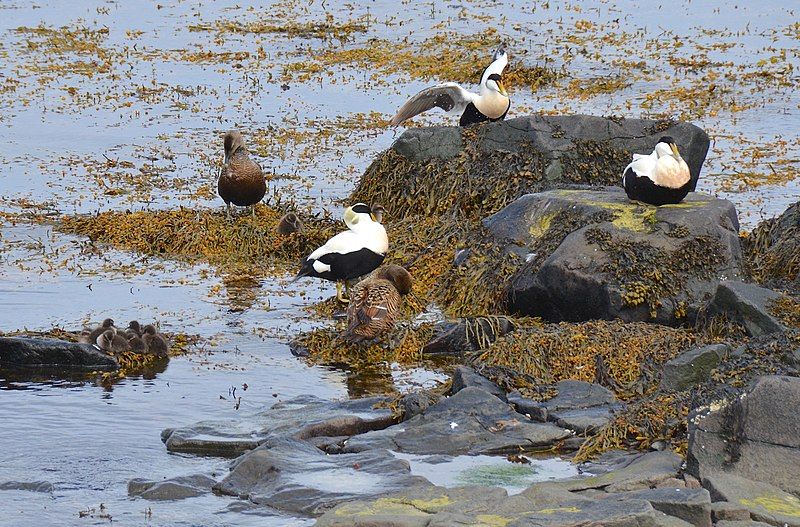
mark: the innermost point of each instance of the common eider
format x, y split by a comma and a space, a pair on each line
350, 254
99, 330
491, 103
111, 341
241, 180
376, 301
659, 178
154, 342
289, 223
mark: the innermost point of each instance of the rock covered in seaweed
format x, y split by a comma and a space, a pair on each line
479, 170
592, 254
773, 249
52, 355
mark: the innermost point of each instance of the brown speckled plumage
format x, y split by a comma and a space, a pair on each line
375, 303
241, 181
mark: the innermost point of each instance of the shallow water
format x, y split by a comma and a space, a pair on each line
125, 108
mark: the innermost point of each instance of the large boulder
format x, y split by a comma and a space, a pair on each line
745, 304
593, 254
773, 249
480, 169
755, 436
51, 355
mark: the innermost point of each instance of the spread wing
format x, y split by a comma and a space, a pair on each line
449, 96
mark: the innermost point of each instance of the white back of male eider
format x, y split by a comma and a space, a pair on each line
352, 253
660, 178
491, 103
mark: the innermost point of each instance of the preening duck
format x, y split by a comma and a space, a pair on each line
350, 254
491, 103
289, 223
659, 178
241, 180
376, 301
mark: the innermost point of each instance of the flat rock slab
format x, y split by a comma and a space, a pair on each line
585, 420
178, 488
747, 304
690, 505
304, 417
628, 472
294, 476
590, 254
472, 421
464, 377
755, 436
765, 502
24, 353
30, 486
692, 367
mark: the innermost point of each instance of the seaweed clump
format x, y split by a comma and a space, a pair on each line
772, 250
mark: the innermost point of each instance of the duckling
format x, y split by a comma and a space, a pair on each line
241, 180
155, 341
289, 223
378, 211
134, 328
135, 342
376, 302
111, 341
99, 330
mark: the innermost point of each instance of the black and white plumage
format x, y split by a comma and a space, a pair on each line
350, 254
491, 103
660, 178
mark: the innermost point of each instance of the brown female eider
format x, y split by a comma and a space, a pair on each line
375, 303
241, 180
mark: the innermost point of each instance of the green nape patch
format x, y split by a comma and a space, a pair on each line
205, 235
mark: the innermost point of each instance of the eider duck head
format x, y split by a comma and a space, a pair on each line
671, 170
494, 82
233, 141
358, 214
666, 147
398, 276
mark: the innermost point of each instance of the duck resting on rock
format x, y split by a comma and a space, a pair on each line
491, 103
350, 254
660, 178
376, 302
241, 180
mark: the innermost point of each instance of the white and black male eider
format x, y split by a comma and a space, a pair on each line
490, 104
350, 254
659, 178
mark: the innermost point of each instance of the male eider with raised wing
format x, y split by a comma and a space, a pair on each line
491, 103
241, 181
376, 302
659, 178
350, 254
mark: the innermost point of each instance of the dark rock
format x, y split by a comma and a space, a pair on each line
772, 249
303, 417
461, 337
692, 367
470, 422
725, 510
31, 486
579, 394
464, 377
50, 354
665, 520
171, 489
584, 420
744, 523
535, 409
589, 254
690, 505
417, 402
626, 472
746, 304
628, 513
765, 502
755, 436
293, 476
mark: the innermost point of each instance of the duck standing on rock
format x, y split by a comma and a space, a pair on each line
241, 180
376, 301
661, 178
490, 104
350, 254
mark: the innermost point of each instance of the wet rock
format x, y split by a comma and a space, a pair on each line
725, 510
755, 436
464, 377
303, 417
461, 337
744, 523
171, 489
589, 254
579, 394
690, 505
628, 513
535, 409
585, 420
772, 249
417, 402
766, 503
692, 367
626, 472
746, 304
52, 355
30, 486
472, 421
294, 476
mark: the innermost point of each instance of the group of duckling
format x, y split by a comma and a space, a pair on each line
143, 340
659, 178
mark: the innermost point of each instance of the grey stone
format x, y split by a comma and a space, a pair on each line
303, 417
171, 489
464, 376
690, 505
574, 279
24, 353
765, 502
665, 520
535, 409
755, 436
585, 420
579, 394
725, 510
692, 367
743, 523
293, 476
31, 486
628, 513
747, 304
417, 402
470, 422
627, 472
